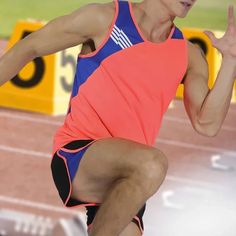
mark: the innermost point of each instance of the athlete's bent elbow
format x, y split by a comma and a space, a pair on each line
212, 132
208, 131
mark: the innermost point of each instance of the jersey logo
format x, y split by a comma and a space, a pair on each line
120, 38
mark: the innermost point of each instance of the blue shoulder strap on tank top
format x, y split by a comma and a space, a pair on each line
123, 35
125, 23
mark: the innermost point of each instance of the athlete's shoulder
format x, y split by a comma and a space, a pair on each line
100, 11
191, 45
195, 50
196, 56
94, 7
97, 15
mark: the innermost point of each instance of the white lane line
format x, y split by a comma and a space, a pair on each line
166, 197
159, 140
24, 151
215, 164
197, 147
191, 181
41, 206
31, 119
58, 123
186, 121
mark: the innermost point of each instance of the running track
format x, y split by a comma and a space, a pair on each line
197, 197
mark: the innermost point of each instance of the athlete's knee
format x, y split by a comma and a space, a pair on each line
152, 170
162, 161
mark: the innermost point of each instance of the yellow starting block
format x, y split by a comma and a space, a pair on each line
43, 85
212, 55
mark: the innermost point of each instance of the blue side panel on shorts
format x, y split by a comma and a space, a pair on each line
124, 33
73, 160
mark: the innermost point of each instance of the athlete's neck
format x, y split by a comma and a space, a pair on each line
156, 15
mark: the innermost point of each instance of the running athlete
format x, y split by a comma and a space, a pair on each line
132, 60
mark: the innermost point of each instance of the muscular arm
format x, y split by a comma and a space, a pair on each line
60, 33
207, 108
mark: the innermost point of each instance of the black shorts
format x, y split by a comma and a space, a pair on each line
64, 166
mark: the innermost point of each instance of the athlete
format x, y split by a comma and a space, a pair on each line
132, 61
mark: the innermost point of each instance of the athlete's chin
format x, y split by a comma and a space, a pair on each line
181, 14
182, 11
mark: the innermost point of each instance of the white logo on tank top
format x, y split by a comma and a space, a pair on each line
120, 38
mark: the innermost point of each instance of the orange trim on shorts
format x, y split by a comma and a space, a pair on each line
77, 150
84, 205
90, 226
140, 227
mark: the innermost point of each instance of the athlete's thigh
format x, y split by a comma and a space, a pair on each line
104, 162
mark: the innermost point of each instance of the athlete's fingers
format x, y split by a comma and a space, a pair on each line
211, 36
231, 17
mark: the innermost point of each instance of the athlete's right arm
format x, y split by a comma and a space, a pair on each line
60, 33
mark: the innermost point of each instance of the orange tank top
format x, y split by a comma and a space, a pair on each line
124, 87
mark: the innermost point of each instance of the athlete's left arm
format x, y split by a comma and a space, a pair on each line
207, 108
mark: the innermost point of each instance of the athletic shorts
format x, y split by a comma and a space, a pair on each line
64, 166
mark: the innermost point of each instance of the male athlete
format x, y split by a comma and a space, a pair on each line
132, 60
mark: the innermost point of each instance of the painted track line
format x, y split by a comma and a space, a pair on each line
40, 206
58, 123
31, 119
24, 151
47, 207
162, 141
186, 121
192, 182
197, 147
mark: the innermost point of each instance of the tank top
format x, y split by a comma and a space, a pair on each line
123, 88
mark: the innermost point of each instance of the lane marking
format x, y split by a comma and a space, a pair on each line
186, 121
166, 198
47, 207
215, 164
31, 119
197, 147
59, 123
41, 206
182, 180
25, 151
159, 140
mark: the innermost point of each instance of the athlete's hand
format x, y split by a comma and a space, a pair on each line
227, 44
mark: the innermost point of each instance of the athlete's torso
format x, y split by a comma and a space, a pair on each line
123, 88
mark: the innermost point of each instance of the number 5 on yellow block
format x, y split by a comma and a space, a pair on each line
43, 85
